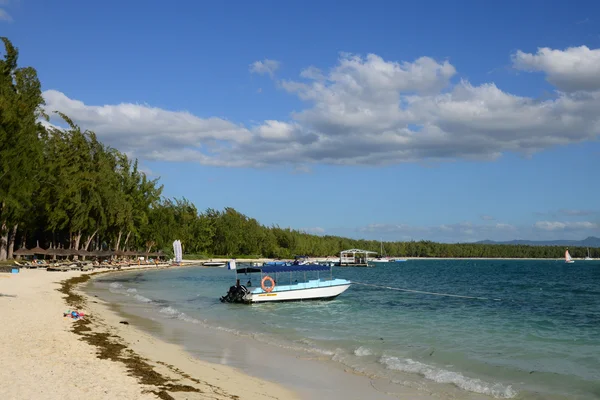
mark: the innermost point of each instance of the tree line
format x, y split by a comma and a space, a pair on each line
64, 188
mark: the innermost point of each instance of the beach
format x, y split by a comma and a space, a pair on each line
46, 355
176, 347
43, 358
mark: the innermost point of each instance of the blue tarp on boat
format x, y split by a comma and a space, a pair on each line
269, 269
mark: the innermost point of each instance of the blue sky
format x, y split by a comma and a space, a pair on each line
387, 120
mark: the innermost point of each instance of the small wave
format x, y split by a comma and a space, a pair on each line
173, 312
444, 376
131, 290
362, 351
169, 311
115, 285
141, 298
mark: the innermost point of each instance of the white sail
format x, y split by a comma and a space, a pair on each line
177, 250
231, 264
568, 258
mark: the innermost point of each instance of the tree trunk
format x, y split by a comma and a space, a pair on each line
3, 240
126, 240
149, 245
89, 240
11, 241
118, 241
77, 240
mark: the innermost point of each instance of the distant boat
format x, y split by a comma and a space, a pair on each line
568, 258
381, 259
588, 258
214, 264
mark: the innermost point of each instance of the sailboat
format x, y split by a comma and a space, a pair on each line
568, 258
588, 258
381, 259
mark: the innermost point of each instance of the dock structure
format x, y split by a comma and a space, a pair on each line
355, 258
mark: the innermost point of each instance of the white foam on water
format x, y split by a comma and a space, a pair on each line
173, 312
362, 351
115, 287
184, 317
439, 375
132, 290
142, 299
169, 311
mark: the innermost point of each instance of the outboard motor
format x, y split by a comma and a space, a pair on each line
235, 294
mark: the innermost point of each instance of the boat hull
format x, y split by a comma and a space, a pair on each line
214, 264
298, 294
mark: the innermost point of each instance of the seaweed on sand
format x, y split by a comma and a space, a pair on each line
111, 347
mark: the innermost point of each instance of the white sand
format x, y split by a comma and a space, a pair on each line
41, 358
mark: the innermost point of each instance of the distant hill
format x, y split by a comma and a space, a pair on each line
590, 241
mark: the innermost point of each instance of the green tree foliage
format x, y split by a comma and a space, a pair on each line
20, 145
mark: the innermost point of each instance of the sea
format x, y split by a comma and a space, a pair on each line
522, 329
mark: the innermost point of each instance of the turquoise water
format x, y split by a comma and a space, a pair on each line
540, 340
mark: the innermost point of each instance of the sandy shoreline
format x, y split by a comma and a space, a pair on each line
48, 356
43, 358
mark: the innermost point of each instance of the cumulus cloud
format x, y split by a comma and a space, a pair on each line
573, 69
4, 16
561, 226
487, 218
365, 111
265, 66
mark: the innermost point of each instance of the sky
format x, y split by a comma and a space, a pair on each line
387, 120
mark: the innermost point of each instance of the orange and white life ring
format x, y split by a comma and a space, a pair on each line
267, 289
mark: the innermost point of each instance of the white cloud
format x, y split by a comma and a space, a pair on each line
573, 69
265, 66
317, 230
363, 111
487, 218
507, 227
557, 225
4, 16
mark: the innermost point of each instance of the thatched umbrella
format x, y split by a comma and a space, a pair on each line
83, 253
56, 251
38, 250
23, 252
70, 252
105, 253
157, 254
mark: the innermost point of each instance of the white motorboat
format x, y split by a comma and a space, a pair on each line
379, 260
214, 264
280, 283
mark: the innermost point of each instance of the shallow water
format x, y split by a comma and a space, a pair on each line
541, 339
